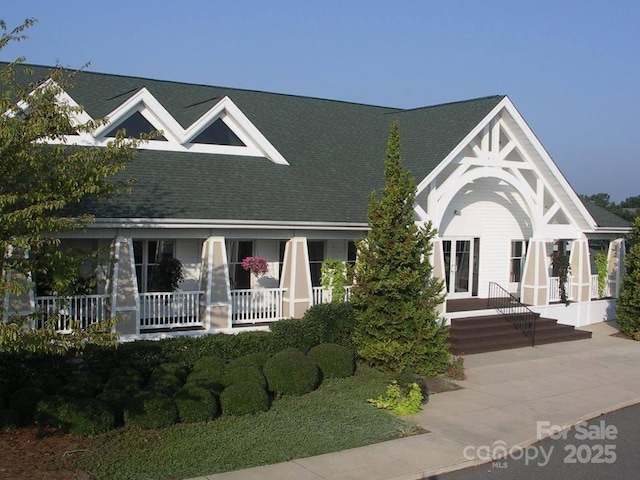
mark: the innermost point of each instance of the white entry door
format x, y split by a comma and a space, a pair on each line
461, 263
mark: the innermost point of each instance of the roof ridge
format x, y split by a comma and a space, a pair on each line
456, 102
195, 84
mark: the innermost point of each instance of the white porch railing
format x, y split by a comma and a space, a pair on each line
595, 288
554, 289
257, 305
84, 309
321, 295
170, 310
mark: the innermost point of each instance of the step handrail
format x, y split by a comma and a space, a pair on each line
514, 311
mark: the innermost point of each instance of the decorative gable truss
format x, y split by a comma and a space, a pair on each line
503, 148
222, 130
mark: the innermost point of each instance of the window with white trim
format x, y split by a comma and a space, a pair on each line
238, 250
518, 255
150, 257
316, 257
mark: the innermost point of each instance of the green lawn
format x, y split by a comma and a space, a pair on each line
334, 417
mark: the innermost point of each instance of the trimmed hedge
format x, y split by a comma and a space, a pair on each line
76, 416
129, 373
250, 360
208, 372
334, 361
291, 372
244, 398
83, 385
164, 383
151, 410
50, 384
117, 399
245, 374
196, 404
175, 369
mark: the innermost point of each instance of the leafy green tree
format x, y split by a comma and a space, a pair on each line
43, 180
628, 308
395, 295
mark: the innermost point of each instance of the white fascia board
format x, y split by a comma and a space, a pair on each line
546, 158
213, 223
456, 151
179, 139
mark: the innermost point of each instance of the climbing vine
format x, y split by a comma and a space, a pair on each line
561, 267
334, 278
602, 263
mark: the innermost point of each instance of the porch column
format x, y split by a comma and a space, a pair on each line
615, 265
296, 279
215, 307
437, 261
580, 271
23, 303
535, 276
123, 287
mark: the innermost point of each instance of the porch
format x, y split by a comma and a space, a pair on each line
170, 311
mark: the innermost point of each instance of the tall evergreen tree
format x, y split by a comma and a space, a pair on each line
395, 295
628, 308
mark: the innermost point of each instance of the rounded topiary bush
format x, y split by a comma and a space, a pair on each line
50, 384
151, 410
8, 419
245, 374
196, 404
117, 399
74, 415
164, 383
83, 385
122, 383
208, 372
251, 360
129, 373
24, 401
244, 398
291, 372
175, 369
334, 361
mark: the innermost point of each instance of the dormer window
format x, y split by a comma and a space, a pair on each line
218, 133
134, 126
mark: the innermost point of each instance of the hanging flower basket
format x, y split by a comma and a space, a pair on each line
256, 265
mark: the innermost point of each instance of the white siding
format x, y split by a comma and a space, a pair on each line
494, 212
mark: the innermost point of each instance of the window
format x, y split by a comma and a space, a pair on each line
352, 252
135, 125
238, 250
152, 259
218, 133
316, 257
281, 247
518, 253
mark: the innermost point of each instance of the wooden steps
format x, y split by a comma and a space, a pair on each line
488, 333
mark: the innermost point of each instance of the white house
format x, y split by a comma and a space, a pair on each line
240, 173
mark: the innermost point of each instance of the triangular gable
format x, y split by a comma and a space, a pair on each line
134, 126
503, 147
238, 136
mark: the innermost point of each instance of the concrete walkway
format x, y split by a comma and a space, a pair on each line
504, 397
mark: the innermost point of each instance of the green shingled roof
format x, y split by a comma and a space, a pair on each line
603, 217
335, 151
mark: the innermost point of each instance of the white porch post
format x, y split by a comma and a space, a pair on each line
296, 279
580, 271
215, 307
535, 277
437, 260
615, 265
123, 287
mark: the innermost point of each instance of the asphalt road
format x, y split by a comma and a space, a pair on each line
604, 447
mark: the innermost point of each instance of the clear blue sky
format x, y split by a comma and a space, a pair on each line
571, 67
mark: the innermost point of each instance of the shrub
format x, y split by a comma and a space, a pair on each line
244, 398
174, 369
628, 308
76, 416
129, 373
291, 373
300, 334
142, 355
122, 383
334, 361
83, 385
117, 399
24, 401
8, 419
336, 322
245, 374
151, 410
196, 404
50, 384
164, 383
400, 400
250, 360
208, 372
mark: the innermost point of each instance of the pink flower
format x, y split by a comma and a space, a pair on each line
256, 265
